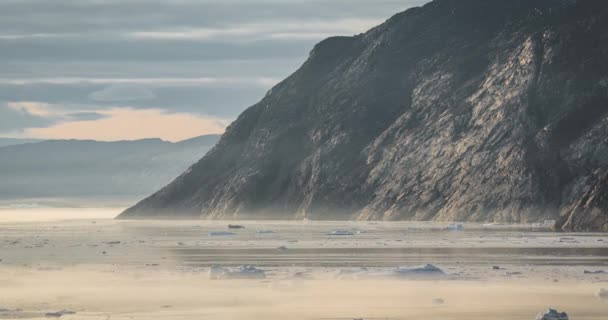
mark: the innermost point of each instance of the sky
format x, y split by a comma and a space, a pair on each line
170, 69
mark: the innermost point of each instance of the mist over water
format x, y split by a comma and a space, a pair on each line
84, 261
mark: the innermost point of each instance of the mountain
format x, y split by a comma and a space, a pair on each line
14, 141
84, 169
466, 110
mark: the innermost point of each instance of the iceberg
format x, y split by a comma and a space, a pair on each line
552, 314
423, 271
242, 272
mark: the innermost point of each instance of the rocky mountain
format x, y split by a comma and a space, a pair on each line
79, 169
468, 110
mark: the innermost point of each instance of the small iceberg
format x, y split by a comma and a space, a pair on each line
422, 271
455, 227
552, 314
220, 233
352, 273
58, 314
264, 231
341, 233
242, 272
594, 272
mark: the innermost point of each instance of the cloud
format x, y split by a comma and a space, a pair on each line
85, 116
277, 29
66, 65
223, 99
92, 16
122, 93
130, 124
32, 108
15, 118
132, 86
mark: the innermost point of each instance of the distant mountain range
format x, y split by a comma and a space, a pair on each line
14, 141
85, 170
462, 110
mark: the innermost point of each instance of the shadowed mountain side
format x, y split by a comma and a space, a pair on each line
469, 110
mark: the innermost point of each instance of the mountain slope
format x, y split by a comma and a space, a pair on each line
470, 110
88, 169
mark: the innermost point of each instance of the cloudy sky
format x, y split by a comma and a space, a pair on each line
174, 69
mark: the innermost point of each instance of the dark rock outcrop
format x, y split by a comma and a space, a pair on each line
477, 110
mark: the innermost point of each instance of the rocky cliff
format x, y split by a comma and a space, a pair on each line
476, 110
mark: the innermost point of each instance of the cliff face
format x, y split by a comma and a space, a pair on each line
470, 110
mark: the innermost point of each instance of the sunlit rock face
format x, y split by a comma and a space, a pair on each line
470, 110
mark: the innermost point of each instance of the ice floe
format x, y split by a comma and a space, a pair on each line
341, 233
58, 314
220, 233
242, 272
455, 227
552, 314
264, 232
594, 272
425, 270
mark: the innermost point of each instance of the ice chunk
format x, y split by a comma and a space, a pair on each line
552, 314
58, 314
455, 227
220, 233
242, 272
353, 273
594, 272
426, 270
602, 294
341, 233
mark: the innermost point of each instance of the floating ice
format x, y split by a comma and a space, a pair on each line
220, 233
594, 272
235, 226
352, 272
282, 248
264, 231
242, 272
341, 233
602, 294
455, 227
58, 314
426, 270
552, 314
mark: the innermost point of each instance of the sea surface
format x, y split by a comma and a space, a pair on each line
85, 261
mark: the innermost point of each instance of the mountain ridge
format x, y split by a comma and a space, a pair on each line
457, 110
88, 169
